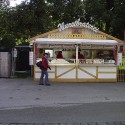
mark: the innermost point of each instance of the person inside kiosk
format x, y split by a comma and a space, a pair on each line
59, 55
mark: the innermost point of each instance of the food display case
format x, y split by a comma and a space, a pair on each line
98, 61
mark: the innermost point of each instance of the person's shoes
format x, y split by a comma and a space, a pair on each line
48, 84
41, 84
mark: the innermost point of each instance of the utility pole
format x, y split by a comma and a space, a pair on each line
13, 61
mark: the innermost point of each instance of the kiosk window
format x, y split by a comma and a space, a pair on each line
49, 51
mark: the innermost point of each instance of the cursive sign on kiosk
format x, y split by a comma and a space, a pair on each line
77, 23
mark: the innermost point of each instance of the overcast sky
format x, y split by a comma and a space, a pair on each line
14, 2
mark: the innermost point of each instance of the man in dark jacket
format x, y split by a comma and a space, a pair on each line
44, 68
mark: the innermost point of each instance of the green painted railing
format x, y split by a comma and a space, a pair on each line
121, 72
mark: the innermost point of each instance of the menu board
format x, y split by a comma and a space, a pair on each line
31, 58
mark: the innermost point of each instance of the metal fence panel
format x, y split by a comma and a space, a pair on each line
5, 64
121, 75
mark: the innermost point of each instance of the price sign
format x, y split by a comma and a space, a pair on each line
31, 58
119, 59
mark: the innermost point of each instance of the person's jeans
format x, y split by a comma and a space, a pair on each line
44, 72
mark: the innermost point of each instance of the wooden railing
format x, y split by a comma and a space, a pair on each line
76, 36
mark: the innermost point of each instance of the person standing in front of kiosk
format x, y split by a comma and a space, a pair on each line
44, 68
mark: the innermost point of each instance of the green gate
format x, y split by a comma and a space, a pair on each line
121, 72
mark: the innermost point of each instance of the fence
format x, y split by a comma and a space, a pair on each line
121, 75
121, 72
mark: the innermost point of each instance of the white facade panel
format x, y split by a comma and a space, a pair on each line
107, 69
51, 75
91, 70
107, 76
84, 75
61, 70
37, 75
71, 74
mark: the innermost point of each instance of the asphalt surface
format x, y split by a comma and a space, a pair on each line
96, 112
23, 101
84, 123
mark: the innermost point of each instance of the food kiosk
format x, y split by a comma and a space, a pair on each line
88, 55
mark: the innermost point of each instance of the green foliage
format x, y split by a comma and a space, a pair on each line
118, 22
7, 42
7, 39
107, 15
39, 16
65, 10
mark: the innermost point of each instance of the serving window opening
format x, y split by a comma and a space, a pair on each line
70, 54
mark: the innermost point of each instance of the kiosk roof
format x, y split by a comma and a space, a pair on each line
74, 41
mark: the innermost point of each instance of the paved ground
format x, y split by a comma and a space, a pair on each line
88, 123
23, 101
89, 112
24, 93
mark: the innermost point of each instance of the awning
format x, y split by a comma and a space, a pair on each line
74, 41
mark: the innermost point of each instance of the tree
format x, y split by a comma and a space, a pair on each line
39, 16
107, 15
7, 39
31, 19
65, 10
100, 12
118, 21
7, 43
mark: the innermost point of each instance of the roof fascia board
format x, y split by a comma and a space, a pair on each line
111, 37
44, 34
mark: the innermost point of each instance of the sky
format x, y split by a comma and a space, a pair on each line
14, 2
